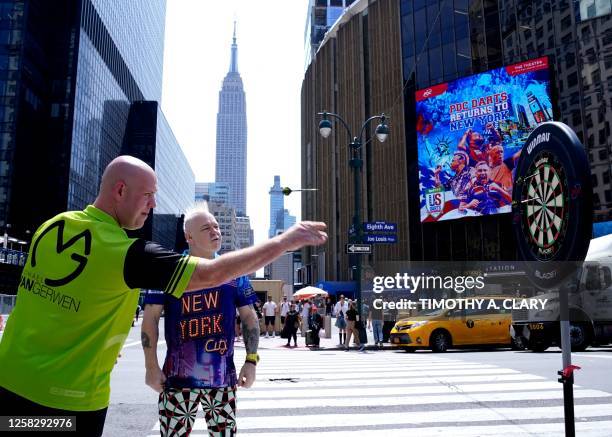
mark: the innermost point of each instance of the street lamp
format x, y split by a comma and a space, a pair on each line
286, 190
355, 162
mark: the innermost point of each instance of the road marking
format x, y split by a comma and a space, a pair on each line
423, 400
609, 357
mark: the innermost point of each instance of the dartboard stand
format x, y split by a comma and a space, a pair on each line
552, 210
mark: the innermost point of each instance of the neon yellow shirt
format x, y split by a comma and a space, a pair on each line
76, 300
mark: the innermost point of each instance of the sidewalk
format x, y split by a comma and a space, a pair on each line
325, 344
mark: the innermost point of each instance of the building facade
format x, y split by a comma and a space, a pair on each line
80, 85
231, 157
213, 191
226, 217
321, 15
244, 233
357, 72
380, 53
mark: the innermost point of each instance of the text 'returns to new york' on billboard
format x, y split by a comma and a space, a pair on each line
469, 136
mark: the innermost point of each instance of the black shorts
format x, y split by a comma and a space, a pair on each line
88, 423
270, 320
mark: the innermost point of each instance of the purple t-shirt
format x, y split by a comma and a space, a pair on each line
199, 331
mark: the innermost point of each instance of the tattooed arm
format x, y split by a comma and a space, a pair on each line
149, 334
250, 334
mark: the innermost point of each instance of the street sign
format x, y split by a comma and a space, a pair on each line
358, 248
379, 227
380, 238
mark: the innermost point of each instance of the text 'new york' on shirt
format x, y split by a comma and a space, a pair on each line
199, 333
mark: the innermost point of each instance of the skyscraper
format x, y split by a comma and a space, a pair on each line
277, 203
79, 81
231, 159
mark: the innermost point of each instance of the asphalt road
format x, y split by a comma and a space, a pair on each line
298, 390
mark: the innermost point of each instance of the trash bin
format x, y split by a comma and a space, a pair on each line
327, 326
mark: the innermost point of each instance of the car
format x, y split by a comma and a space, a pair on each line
442, 329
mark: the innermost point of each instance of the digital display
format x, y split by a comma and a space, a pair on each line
469, 136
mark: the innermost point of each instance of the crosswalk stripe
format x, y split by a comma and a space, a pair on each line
455, 398
414, 380
373, 368
594, 429
422, 417
263, 377
398, 390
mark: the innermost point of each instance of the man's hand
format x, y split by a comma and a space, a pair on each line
305, 234
155, 378
247, 375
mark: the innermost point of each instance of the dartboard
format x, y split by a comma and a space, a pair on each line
544, 205
552, 204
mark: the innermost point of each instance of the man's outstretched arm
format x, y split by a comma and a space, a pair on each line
212, 273
149, 334
250, 334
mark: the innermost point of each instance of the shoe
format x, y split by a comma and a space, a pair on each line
346, 349
362, 348
267, 335
273, 335
287, 345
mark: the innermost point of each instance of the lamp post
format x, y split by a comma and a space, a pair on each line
356, 163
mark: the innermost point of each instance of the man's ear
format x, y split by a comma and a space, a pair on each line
119, 189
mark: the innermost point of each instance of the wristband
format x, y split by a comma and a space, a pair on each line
252, 358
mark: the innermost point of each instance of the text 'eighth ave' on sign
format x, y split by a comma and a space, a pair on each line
380, 238
379, 227
358, 248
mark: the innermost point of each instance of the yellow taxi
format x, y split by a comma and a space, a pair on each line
442, 329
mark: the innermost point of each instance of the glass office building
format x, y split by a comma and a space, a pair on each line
80, 81
445, 40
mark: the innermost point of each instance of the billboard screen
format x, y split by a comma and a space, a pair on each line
469, 135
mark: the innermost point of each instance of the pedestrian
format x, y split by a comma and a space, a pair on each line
305, 313
375, 322
269, 309
199, 366
93, 270
315, 323
284, 309
340, 310
292, 322
329, 306
238, 324
199, 332
351, 328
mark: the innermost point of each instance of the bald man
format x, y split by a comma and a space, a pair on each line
80, 287
199, 332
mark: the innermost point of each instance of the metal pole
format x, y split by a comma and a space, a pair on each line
356, 163
566, 380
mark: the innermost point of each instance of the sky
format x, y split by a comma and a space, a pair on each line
270, 38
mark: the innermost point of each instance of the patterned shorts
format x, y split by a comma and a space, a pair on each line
178, 408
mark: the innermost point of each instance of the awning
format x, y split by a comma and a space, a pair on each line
347, 288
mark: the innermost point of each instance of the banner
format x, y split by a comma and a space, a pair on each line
469, 136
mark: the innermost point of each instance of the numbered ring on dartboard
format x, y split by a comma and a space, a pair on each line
552, 204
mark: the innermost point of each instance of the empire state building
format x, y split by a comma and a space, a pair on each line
231, 157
